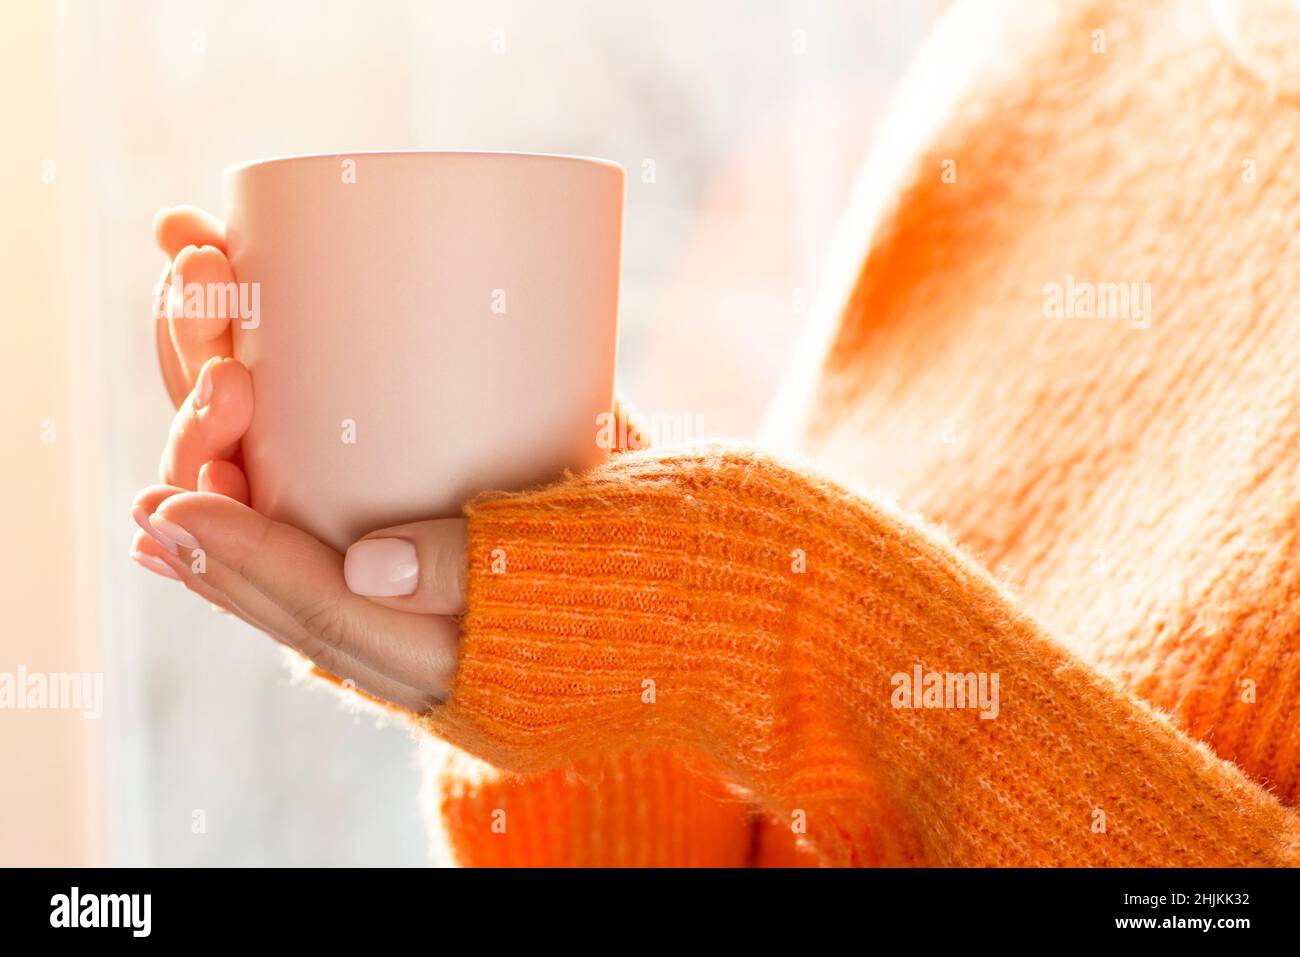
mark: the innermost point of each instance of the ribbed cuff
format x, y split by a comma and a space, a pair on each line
634, 604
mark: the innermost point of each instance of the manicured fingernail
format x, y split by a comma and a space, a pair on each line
156, 565
382, 567
141, 516
203, 387
172, 533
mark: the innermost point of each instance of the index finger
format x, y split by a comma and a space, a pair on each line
201, 302
175, 227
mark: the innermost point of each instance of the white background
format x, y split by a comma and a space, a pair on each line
755, 117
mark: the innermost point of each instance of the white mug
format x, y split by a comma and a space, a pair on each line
429, 325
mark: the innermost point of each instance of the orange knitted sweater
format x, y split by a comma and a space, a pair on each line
719, 656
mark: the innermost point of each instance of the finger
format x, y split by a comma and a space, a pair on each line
209, 423
149, 542
304, 578
146, 502
205, 581
150, 555
200, 302
419, 567
175, 227
224, 478
149, 548
213, 580
169, 363
157, 554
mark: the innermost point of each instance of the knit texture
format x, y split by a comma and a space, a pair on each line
656, 601
634, 808
1123, 489
629, 809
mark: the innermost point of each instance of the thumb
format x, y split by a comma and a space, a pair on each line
420, 567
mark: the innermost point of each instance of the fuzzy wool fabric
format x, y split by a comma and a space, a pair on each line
1052, 435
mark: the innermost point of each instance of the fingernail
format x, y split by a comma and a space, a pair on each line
203, 387
176, 536
141, 516
156, 565
382, 567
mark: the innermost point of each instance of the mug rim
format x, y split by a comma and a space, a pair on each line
594, 161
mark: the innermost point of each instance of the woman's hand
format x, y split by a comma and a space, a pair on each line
379, 619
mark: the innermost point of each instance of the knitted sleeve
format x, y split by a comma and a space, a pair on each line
640, 807
864, 680
634, 808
